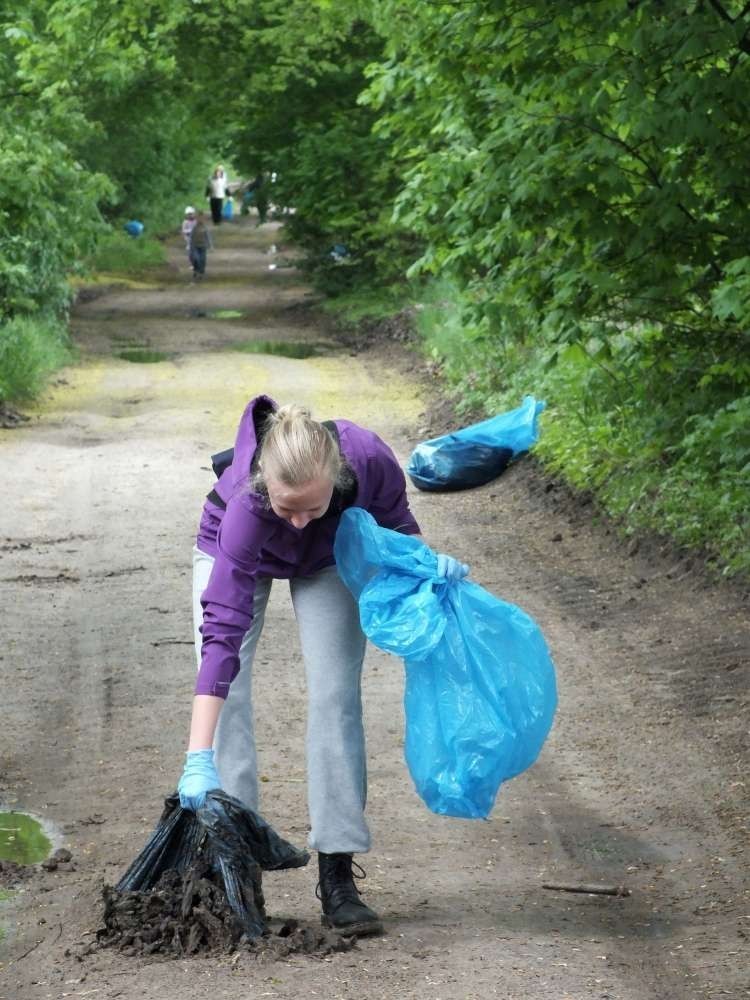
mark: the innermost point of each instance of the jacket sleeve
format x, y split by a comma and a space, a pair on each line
228, 599
388, 502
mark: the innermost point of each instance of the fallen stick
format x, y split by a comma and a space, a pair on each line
594, 890
20, 958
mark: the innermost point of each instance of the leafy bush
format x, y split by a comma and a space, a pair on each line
118, 253
31, 347
48, 216
664, 446
368, 304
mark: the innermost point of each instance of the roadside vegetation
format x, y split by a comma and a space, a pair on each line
31, 348
561, 192
118, 253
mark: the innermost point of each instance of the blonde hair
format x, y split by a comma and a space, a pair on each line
295, 449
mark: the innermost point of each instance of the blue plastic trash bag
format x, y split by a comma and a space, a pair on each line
227, 210
134, 228
475, 455
338, 252
480, 683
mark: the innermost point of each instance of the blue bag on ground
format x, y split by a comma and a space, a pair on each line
480, 683
477, 454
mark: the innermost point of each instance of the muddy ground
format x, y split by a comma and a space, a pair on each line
642, 783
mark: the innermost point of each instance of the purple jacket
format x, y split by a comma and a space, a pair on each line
248, 540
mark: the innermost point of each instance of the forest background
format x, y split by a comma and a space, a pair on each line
555, 194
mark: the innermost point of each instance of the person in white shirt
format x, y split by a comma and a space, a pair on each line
216, 189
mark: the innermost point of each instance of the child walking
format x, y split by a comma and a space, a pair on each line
200, 244
187, 227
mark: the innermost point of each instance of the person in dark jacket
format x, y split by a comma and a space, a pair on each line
200, 243
273, 514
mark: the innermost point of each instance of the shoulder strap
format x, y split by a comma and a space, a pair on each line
221, 461
330, 425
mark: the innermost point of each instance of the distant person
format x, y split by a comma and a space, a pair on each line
248, 194
200, 244
216, 189
260, 193
187, 227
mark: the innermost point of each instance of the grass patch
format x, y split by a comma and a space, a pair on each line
369, 303
31, 348
118, 254
109, 279
226, 314
284, 348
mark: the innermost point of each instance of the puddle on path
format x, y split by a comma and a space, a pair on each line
285, 348
142, 355
226, 314
22, 839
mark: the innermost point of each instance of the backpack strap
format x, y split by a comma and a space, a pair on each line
216, 500
221, 461
330, 426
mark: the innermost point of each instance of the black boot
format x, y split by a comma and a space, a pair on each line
343, 910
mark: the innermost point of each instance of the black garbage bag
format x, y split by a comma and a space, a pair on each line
477, 454
456, 465
231, 842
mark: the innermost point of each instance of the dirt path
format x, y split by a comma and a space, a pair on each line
643, 781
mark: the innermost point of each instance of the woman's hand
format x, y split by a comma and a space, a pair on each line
199, 777
200, 774
450, 568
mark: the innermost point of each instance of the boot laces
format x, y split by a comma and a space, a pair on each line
341, 878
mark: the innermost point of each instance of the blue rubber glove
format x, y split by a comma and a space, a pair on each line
199, 777
450, 568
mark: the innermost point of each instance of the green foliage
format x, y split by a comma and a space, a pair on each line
573, 166
30, 349
660, 452
571, 178
366, 303
577, 175
97, 121
119, 253
48, 216
293, 72
157, 161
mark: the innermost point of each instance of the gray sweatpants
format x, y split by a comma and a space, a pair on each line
333, 648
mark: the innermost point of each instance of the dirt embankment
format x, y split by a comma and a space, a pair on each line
642, 783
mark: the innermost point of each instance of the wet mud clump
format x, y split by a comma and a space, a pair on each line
11, 873
14, 872
182, 915
196, 887
189, 914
